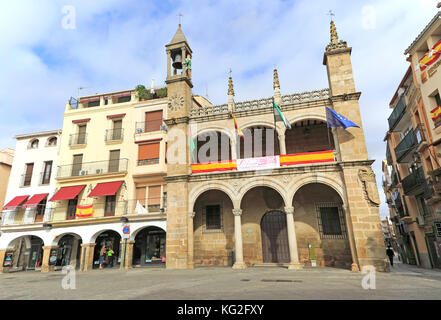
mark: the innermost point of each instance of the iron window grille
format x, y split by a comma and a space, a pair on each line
331, 220
212, 222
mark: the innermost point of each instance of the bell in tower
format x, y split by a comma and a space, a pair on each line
177, 59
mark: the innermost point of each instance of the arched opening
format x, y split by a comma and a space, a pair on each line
258, 141
275, 247
263, 222
212, 146
213, 229
149, 248
33, 144
321, 227
308, 135
107, 240
69, 251
52, 142
24, 253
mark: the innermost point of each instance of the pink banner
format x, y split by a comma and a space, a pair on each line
261, 163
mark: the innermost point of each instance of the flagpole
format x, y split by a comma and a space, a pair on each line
275, 129
327, 131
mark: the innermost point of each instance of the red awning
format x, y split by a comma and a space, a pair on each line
106, 189
67, 193
14, 203
35, 200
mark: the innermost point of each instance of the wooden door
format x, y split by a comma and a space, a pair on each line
275, 245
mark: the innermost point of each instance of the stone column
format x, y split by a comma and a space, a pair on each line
45, 267
168, 63
282, 143
190, 227
233, 146
2, 260
238, 264
292, 240
86, 261
354, 266
74, 252
129, 254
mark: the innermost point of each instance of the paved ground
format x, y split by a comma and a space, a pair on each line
404, 282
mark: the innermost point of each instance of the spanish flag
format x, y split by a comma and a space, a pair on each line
84, 211
431, 56
239, 132
435, 113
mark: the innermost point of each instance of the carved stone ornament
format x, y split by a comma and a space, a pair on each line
367, 178
175, 102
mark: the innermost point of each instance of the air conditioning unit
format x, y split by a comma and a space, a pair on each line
98, 171
83, 173
420, 221
139, 130
163, 127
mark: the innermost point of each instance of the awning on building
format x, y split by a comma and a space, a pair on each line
67, 193
16, 202
35, 200
106, 189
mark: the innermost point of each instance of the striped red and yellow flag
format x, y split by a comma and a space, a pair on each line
309, 157
239, 132
431, 56
435, 113
213, 166
84, 211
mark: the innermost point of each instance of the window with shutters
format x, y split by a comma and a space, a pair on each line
153, 121
331, 221
140, 195
148, 154
154, 198
77, 164
109, 209
114, 161
27, 177
46, 172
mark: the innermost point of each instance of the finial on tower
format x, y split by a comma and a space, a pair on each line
335, 43
230, 85
276, 83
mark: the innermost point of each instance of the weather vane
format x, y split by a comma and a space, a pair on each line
331, 14
230, 72
180, 15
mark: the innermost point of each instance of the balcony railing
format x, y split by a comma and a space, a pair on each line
414, 180
149, 126
91, 168
25, 180
45, 177
114, 134
22, 216
78, 139
406, 145
388, 155
397, 113
420, 133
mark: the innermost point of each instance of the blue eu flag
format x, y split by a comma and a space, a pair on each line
337, 120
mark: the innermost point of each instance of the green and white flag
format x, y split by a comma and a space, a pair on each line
278, 116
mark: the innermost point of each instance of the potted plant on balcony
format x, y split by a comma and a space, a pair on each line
142, 92
312, 256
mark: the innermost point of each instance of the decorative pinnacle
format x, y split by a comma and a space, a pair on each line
230, 87
334, 35
335, 43
276, 83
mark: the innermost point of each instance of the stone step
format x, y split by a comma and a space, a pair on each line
271, 264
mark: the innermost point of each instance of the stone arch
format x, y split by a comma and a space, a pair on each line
326, 180
135, 232
57, 238
97, 233
207, 186
310, 116
52, 141
264, 182
256, 123
8, 241
228, 131
221, 133
33, 143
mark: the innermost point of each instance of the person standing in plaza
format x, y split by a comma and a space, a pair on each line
110, 253
102, 256
390, 253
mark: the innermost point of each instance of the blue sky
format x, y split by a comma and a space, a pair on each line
117, 45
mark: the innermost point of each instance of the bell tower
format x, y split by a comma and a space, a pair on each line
179, 85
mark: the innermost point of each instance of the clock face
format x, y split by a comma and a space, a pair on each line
175, 102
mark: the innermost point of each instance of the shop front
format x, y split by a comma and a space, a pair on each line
109, 240
149, 248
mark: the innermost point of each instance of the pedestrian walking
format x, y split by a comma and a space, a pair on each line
390, 253
110, 253
102, 256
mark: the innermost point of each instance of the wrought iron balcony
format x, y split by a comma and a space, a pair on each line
397, 113
25, 180
45, 178
406, 146
420, 133
114, 134
92, 168
413, 181
77, 139
149, 126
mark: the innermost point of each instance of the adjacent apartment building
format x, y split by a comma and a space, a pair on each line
6, 158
